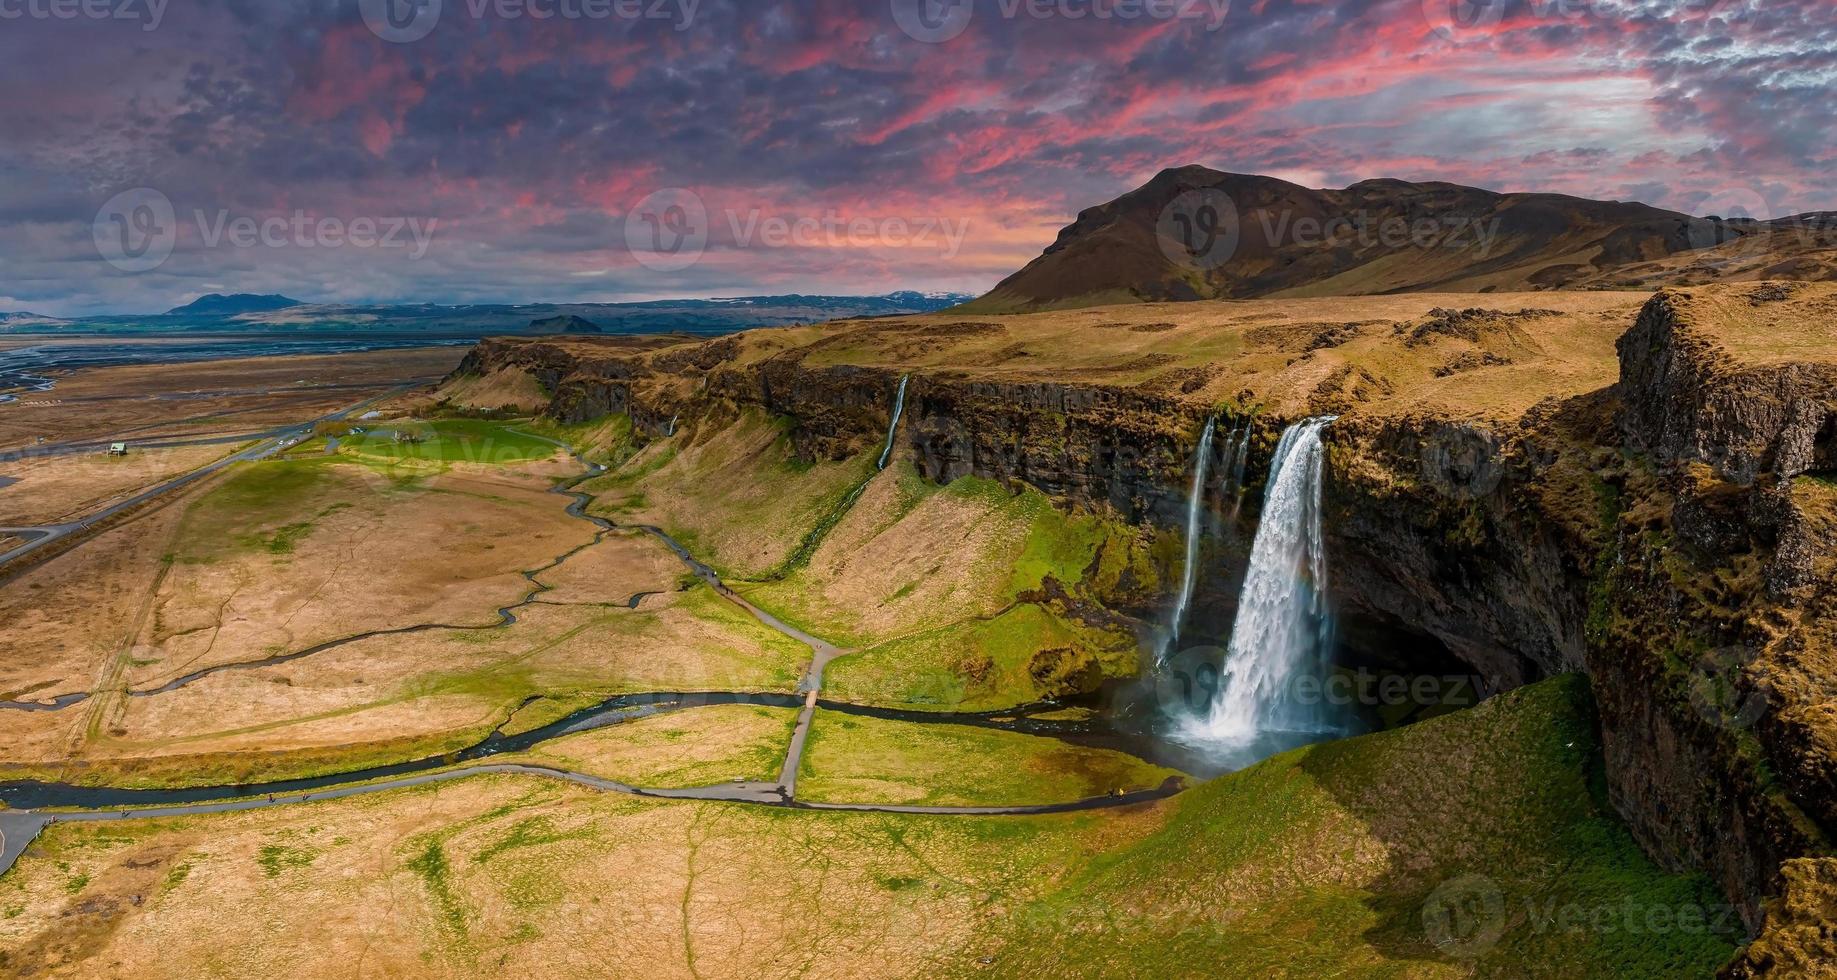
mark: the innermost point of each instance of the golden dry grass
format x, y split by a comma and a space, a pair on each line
515, 876
1763, 325
908, 556
620, 567
1256, 353
52, 489
211, 398
391, 698
63, 621
290, 555
1321, 862
506, 388
691, 747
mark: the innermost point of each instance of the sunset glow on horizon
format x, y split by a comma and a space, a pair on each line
824, 138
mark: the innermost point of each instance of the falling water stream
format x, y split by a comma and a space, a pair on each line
1195, 511
1283, 632
899, 408
1240, 466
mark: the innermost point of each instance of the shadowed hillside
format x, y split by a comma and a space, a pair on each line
1195, 233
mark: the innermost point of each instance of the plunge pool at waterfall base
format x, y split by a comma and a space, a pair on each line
1380, 676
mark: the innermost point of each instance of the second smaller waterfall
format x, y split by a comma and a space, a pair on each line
899, 408
1195, 513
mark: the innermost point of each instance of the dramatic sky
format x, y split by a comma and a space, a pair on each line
544, 149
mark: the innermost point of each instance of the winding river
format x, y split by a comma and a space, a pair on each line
1090, 727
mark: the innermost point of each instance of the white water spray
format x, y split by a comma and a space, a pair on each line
1195, 509
672, 433
1283, 632
899, 408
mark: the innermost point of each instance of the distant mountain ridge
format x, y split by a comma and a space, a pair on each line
278, 314
565, 324
23, 318
1194, 233
217, 304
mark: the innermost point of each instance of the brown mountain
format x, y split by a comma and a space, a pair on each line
1195, 233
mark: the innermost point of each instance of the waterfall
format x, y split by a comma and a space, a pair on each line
899, 408
1195, 510
1283, 631
1239, 468
672, 433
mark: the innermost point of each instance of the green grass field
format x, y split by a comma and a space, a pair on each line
853, 759
694, 747
1474, 845
272, 506
447, 441
1022, 656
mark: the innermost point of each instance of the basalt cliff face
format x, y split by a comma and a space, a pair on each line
1673, 535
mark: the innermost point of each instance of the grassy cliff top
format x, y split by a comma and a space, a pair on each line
1454, 355
1484, 354
1764, 325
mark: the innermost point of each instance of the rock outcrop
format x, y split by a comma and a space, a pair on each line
1687, 399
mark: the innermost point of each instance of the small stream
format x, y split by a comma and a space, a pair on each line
1103, 723
32, 794
1127, 716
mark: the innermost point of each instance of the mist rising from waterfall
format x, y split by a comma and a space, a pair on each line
1195, 513
899, 409
1283, 631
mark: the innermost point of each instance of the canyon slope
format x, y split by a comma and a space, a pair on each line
1193, 233
1637, 487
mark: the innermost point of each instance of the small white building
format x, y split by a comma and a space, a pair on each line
117, 449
